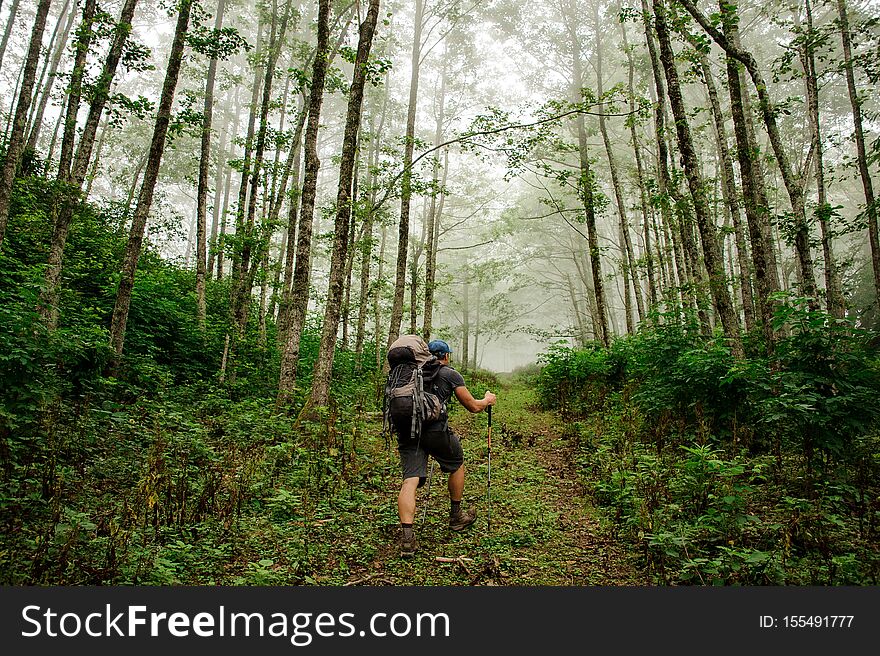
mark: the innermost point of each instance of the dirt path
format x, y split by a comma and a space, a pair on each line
544, 530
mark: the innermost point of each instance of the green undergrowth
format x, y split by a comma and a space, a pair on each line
756, 471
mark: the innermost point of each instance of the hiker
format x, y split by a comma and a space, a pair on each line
437, 440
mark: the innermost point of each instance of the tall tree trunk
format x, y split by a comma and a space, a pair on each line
474, 357
368, 244
204, 164
300, 291
96, 160
666, 187
145, 199
250, 244
627, 258
50, 70
711, 252
227, 190
377, 290
433, 217
793, 184
74, 91
754, 196
294, 162
55, 132
465, 316
864, 172
729, 193
219, 170
11, 114
833, 293
586, 185
10, 23
643, 196
241, 205
406, 182
72, 168
417, 248
349, 266
363, 298
16, 140
324, 364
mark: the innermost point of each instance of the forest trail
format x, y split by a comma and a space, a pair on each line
544, 530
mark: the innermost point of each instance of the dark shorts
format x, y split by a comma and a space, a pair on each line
443, 446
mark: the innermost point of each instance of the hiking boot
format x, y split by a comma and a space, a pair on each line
462, 519
408, 543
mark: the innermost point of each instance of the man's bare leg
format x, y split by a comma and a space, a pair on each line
406, 500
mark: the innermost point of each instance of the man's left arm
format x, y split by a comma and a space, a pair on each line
468, 401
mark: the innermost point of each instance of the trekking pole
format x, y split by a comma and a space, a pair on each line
489, 479
428, 493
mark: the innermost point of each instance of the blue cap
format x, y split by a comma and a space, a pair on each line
439, 347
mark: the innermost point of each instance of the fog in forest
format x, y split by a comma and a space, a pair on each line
531, 100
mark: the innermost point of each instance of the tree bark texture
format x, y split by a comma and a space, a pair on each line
157, 147
301, 274
15, 146
323, 366
708, 233
72, 169
204, 165
793, 185
865, 174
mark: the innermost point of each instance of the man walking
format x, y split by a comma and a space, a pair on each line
438, 441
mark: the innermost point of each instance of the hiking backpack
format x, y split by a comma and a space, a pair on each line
409, 397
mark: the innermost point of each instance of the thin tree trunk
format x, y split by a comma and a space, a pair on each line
628, 261
366, 257
249, 245
324, 364
643, 196
406, 182
433, 216
241, 205
864, 171
72, 169
93, 173
294, 163
416, 257
10, 23
16, 139
833, 292
74, 91
586, 184
227, 190
218, 185
678, 265
11, 114
55, 132
204, 164
349, 266
465, 317
377, 315
300, 297
37, 122
145, 199
264, 285
476, 328
729, 193
708, 234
